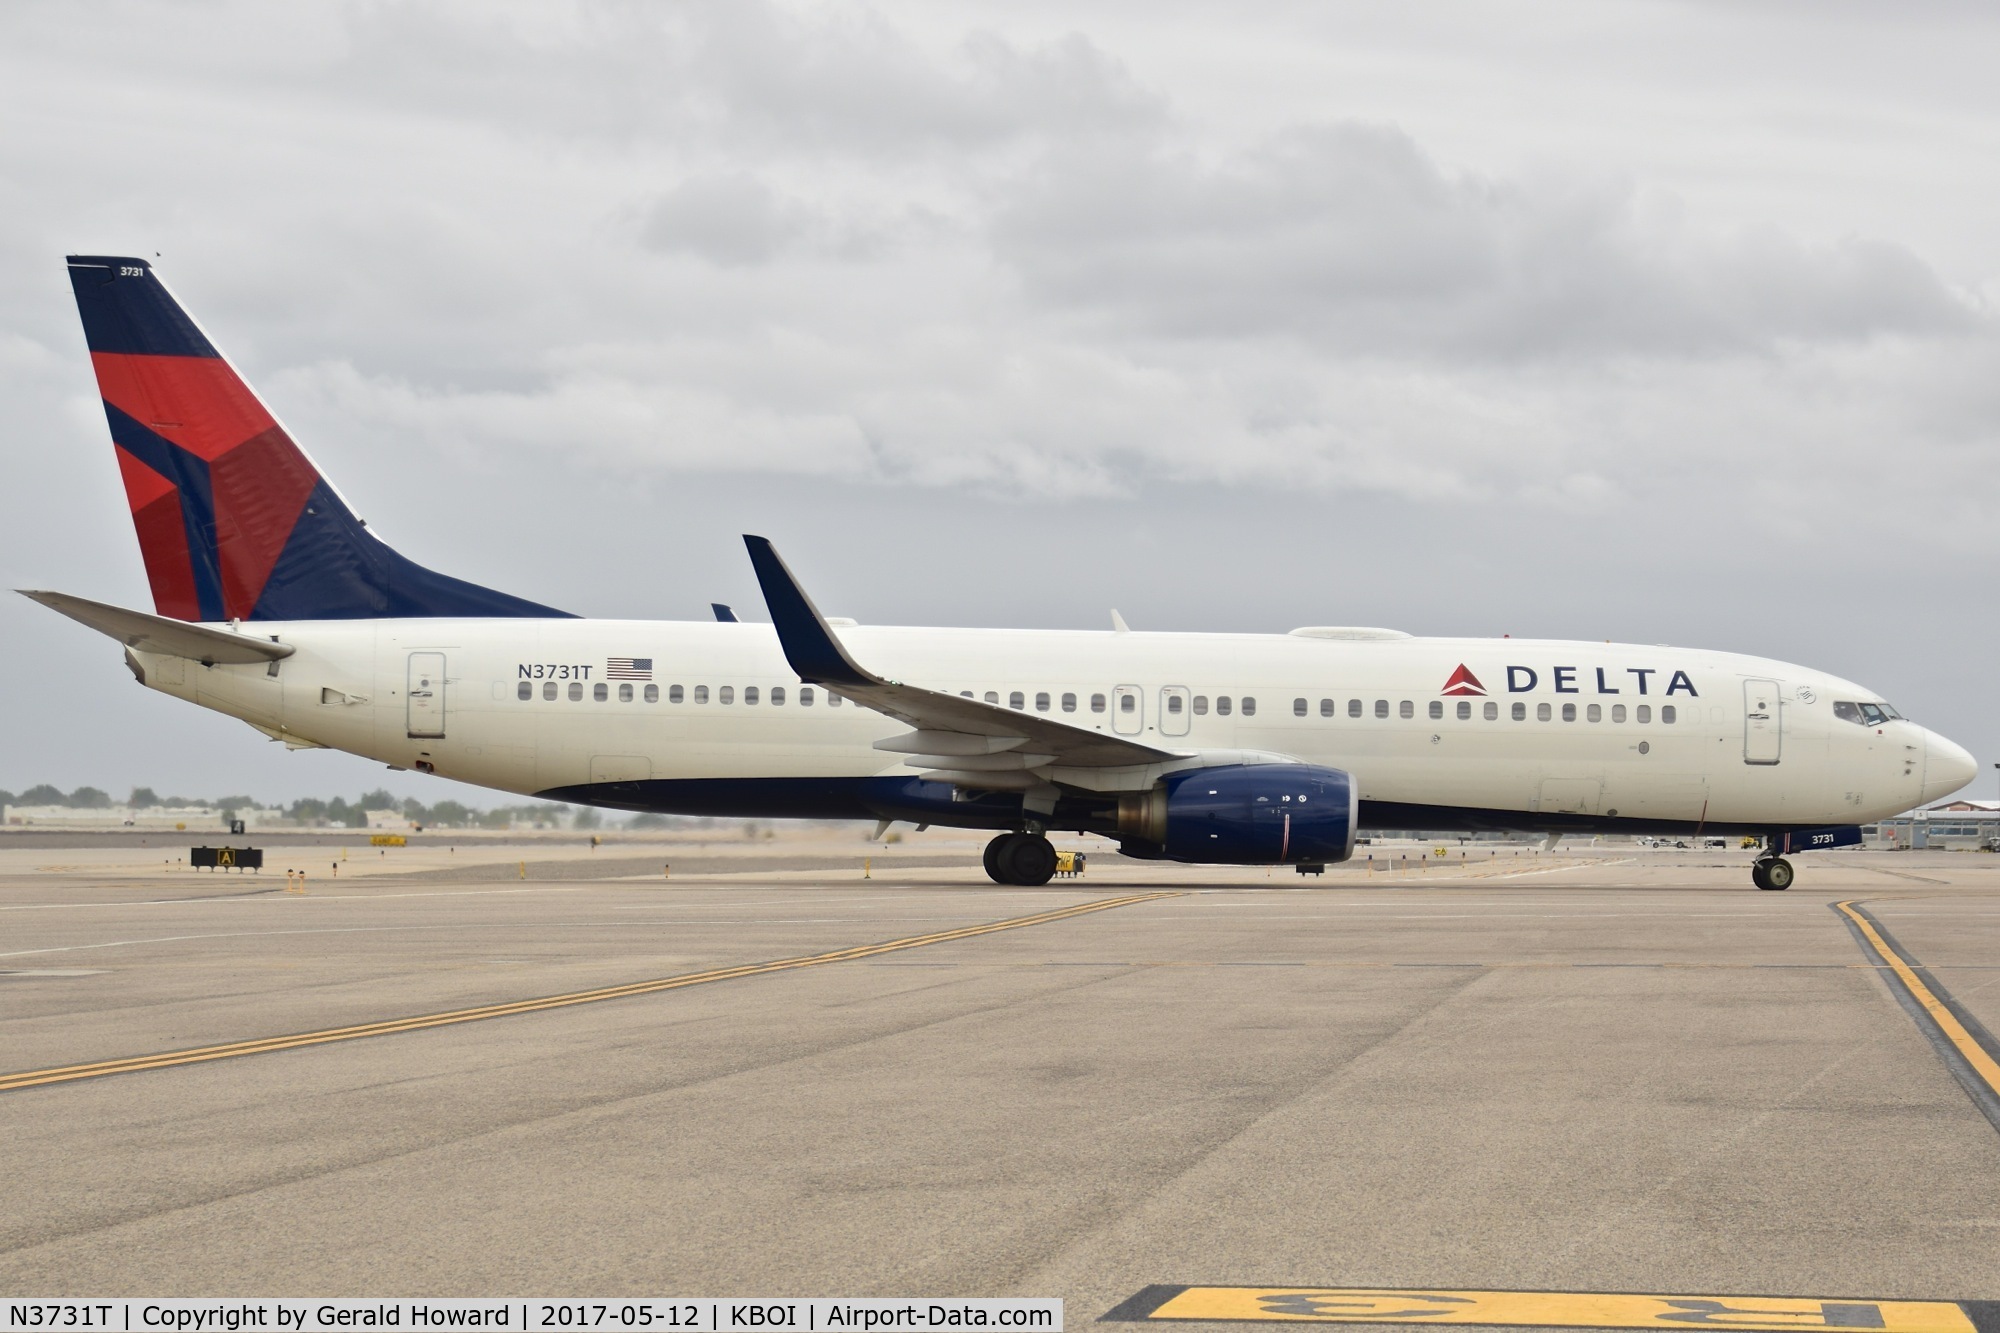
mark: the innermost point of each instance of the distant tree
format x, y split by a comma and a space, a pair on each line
500, 818
650, 820
90, 798
450, 814
378, 800
7, 798
142, 797
416, 811
308, 810
43, 794
586, 818
229, 805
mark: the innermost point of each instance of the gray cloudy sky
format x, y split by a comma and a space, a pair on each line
1668, 322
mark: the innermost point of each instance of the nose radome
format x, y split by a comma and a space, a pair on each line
1947, 766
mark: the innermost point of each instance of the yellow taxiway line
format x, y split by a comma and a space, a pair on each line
1546, 1309
34, 1078
1976, 1057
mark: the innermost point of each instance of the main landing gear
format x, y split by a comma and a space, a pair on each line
1772, 872
1020, 858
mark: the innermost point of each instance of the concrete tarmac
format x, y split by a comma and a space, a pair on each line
1608, 1071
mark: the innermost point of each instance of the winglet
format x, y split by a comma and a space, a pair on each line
802, 631
723, 614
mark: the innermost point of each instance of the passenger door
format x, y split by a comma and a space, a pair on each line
1763, 722
426, 695
1174, 710
1128, 710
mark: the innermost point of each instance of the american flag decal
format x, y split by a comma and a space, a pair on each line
628, 668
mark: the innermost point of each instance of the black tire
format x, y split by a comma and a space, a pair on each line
1778, 874
1757, 875
1028, 859
992, 858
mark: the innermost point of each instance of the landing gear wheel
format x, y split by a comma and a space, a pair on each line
992, 858
1026, 859
1773, 872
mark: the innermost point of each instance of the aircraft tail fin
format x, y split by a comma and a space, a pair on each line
234, 520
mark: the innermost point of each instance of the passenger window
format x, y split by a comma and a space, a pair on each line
1069, 703
805, 696
625, 692
832, 699
1096, 703
1437, 708
1381, 708
1594, 713
749, 694
1520, 711
1222, 705
1017, 700
1569, 712
726, 695
1201, 705
1406, 709
675, 694
1465, 710
1667, 714
1354, 708
1541, 712
1326, 708
1249, 707
1173, 704
1492, 711
965, 694
1618, 712
600, 692
548, 689
1126, 702
1298, 708
575, 691
524, 690
1645, 712
1042, 701
777, 695
993, 696
701, 694
652, 694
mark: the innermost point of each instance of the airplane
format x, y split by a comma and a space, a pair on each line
274, 603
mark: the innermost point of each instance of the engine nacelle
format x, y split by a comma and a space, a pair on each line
1243, 814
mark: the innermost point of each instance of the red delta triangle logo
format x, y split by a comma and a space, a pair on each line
1463, 682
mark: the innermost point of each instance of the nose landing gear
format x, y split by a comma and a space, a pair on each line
1025, 859
1772, 872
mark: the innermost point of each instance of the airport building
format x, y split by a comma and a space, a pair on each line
1953, 826
191, 817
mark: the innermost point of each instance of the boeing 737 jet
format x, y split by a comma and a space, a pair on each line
275, 604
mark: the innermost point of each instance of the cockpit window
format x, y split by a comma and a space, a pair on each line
1847, 712
1864, 715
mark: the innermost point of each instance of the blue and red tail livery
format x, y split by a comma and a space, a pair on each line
234, 521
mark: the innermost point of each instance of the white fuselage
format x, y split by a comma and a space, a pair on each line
1557, 728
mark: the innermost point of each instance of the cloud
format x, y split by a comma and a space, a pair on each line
725, 218
1354, 238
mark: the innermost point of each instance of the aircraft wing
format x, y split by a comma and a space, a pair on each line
158, 634
970, 742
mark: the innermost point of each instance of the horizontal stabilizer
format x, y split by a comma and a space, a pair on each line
158, 634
